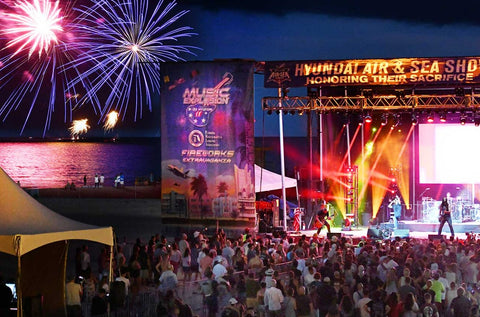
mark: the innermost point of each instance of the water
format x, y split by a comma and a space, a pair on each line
52, 164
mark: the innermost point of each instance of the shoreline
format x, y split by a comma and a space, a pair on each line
107, 192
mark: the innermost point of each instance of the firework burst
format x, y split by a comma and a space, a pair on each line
127, 40
79, 127
111, 121
33, 26
34, 80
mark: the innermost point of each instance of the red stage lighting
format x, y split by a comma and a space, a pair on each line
430, 117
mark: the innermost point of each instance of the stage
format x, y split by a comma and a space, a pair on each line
406, 228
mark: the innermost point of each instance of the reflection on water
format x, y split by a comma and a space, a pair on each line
52, 164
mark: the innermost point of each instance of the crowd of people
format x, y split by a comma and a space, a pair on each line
302, 276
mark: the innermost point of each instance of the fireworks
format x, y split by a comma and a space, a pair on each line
102, 53
127, 41
79, 127
111, 121
33, 80
33, 26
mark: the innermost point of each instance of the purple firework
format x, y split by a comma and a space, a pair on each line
123, 44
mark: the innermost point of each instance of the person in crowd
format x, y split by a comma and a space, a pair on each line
252, 286
461, 306
393, 308
73, 297
186, 266
289, 304
99, 303
124, 277
346, 306
304, 303
273, 299
6, 297
428, 309
85, 260
183, 243
168, 281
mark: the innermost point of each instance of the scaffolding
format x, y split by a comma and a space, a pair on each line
351, 194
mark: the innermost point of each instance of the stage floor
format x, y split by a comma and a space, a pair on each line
414, 229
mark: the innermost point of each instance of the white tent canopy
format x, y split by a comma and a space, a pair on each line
38, 237
26, 224
266, 180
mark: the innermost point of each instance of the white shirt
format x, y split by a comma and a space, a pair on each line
362, 306
219, 271
126, 281
85, 260
273, 298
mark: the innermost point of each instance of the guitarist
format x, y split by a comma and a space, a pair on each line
321, 220
396, 204
445, 216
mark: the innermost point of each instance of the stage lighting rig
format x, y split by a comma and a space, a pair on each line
463, 118
476, 119
443, 116
430, 117
367, 118
414, 119
384, 119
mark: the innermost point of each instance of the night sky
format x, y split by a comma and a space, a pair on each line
273, 30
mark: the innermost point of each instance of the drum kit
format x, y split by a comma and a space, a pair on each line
462, 210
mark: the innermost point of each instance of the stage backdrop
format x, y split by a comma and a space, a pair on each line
208, 139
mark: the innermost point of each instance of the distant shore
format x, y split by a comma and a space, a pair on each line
126, 192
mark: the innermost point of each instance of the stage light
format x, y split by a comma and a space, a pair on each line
399, 93
430, 117
313, 92
459, 91
269, 112
384, 119
367, 118
443, 117
292, 112
300, 112
397, 118
277, 111
463, 118
414, 119
476, 119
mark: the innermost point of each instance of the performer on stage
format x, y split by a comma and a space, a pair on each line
321, 220
396, 204
445, 215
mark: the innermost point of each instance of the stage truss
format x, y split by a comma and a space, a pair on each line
373, 103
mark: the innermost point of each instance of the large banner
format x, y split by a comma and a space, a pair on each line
399, 71
208, 139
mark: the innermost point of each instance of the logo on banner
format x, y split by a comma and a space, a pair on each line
203, 102
196, 138
279, 75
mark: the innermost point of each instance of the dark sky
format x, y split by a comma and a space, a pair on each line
322, 30
424, 12
308, 30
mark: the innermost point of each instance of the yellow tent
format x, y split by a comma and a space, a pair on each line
38, 237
